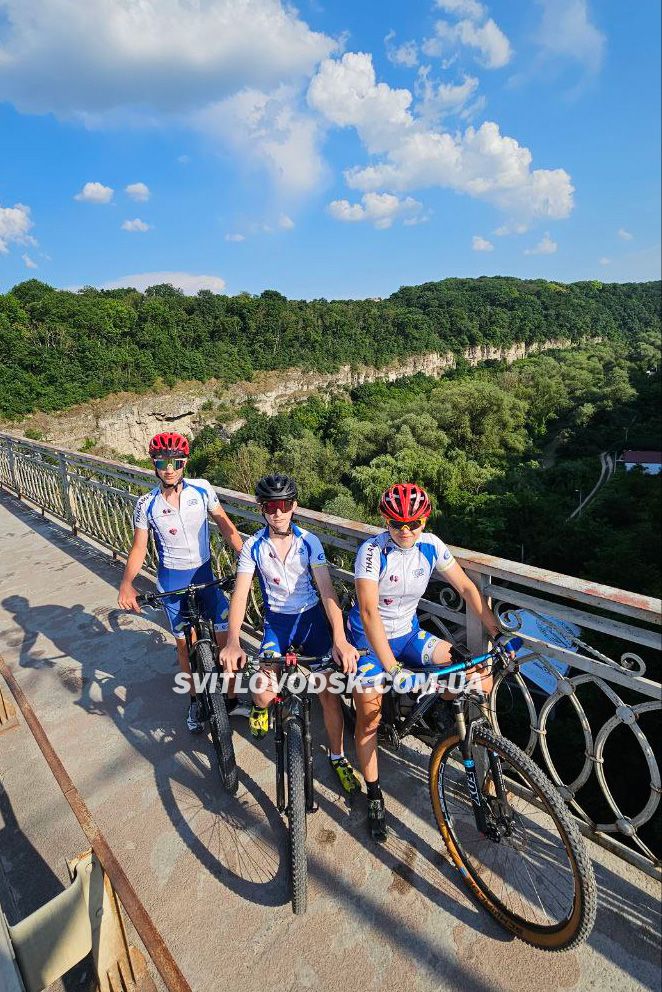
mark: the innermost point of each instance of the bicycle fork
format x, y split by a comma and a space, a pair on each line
478, 803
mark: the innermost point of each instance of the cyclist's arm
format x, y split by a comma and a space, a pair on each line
322, 580
238, 605
367, 593
343, 652
472, 596
127, 594
228, 530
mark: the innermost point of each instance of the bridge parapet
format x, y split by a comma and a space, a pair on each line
585, 707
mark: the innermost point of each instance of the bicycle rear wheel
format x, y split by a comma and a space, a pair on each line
536, 878
219, 725
296, 814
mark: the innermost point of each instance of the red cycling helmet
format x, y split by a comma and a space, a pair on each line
169, 444
405, 501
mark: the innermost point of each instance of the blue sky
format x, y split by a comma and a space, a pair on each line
334, 150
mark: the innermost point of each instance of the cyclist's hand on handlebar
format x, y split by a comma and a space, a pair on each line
128, 597
232, 657
345, 655
403, 680
510, 644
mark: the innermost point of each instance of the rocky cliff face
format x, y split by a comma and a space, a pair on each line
120, 423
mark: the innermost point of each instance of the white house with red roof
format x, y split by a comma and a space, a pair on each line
649, 461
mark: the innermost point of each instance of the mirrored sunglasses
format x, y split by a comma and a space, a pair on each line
409, 524
271, 505
161, 464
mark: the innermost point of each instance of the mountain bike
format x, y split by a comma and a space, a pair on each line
294, 755
203, 654
505, 826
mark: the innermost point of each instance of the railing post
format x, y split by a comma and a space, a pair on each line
67, 497
477, 637
12, 467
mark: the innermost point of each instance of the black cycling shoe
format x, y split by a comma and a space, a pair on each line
377, 820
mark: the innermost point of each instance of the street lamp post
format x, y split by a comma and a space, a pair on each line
579, 508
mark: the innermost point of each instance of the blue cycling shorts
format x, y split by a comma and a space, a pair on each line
414, 649
214, 602
308, 632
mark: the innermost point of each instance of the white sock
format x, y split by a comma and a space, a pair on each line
337, 757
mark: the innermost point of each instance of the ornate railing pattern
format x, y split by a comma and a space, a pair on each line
611, 689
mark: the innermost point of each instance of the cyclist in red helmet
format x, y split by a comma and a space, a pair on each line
392, 571
176, 512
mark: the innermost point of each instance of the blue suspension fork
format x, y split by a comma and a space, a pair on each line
473, 786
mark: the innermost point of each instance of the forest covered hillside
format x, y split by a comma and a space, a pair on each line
59, 348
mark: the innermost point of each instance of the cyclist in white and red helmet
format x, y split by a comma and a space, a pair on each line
177, 513
392, 571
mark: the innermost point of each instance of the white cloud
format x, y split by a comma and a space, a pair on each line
605, 261
479, 243
15, 226
138, 191
505, 229
29, 262
480, 162
135, 225
235, 237
167, 56
188, 282
437, 100
544, 247
625, 235
405, 54
494, 49
285, 222
183, 159
566, 31
95, 193
270, 130
380, 209
463, 8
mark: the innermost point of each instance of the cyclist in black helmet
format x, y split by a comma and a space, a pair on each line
293, 574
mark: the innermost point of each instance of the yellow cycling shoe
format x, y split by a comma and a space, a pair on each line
346, 774
258, 722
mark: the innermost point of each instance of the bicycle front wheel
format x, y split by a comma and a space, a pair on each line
296, 814
219, 725
533, 873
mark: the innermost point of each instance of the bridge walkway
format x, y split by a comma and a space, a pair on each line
210, 869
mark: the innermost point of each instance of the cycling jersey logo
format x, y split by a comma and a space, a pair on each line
419, 571
173, 530
320, 557
394, 578
447, 555
272, 554
167, 511
192, 502
387, 602
276, 581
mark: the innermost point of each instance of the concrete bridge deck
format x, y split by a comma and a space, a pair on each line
211, 870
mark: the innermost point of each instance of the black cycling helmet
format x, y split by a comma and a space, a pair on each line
276, 487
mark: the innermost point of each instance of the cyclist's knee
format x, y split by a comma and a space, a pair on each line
442, 653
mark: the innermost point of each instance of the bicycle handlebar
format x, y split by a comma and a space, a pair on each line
145, 598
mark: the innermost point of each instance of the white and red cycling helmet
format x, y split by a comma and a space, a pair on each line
405, 501
169, 444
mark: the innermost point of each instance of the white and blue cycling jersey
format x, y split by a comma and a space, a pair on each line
181, 535
402, 575
287, 586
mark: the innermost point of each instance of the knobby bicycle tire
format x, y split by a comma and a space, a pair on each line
296, 814
219, 725
533, 848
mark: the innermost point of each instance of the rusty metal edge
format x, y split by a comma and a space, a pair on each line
163, 961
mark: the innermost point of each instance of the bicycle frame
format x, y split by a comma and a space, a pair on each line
464, 728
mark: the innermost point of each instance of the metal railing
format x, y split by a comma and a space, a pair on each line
593, 648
